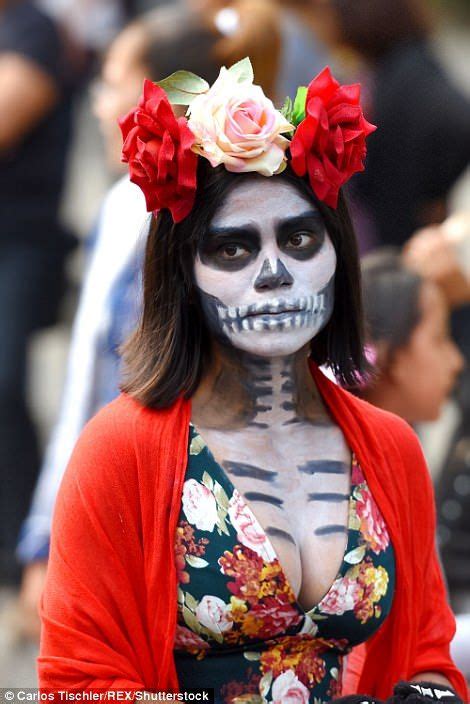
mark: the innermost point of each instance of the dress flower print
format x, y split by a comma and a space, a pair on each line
234, 600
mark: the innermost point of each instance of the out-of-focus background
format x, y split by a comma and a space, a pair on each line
72, 228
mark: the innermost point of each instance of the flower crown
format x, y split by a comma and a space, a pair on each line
233, 123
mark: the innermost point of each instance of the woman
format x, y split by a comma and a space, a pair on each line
227, 499
416, 362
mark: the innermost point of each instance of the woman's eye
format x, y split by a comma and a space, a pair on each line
232, 251
299, 240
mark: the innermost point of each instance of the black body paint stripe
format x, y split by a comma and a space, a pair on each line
328, 496
240, 469
258, 496
324, 467
279, 533
330, 530
291, 421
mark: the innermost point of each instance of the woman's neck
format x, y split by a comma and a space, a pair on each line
240, 389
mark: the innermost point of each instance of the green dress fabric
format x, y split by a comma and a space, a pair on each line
240, 629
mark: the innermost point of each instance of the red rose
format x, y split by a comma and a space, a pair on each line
157, 147
330, 143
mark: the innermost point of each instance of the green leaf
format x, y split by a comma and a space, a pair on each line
288, 109
355, 556
299, 105
252, 655
180, 596
242, 71
220, 496
197, 445
191, 620
265, 683
183, 86
196, 561
208, 481
191, 602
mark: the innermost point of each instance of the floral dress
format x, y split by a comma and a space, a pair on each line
240, 628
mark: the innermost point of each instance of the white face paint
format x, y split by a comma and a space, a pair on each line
265, 270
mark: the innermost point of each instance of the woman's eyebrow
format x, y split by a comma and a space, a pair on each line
224, 232
309, 218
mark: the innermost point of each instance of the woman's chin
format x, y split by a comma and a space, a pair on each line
269, 343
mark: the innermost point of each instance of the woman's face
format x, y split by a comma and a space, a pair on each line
265, 269
425, 369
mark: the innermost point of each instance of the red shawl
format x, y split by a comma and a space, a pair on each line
109, 605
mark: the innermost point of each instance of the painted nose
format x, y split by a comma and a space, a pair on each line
268, 279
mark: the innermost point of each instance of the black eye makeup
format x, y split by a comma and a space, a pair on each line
230, 249
303, 236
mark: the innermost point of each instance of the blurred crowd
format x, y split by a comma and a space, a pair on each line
416, 251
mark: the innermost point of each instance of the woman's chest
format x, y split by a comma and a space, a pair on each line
295, 491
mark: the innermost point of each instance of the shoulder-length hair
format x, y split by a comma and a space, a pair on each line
166, 355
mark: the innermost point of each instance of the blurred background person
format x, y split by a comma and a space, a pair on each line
35, 132
442, 254
155, 45
422, 145
415, 361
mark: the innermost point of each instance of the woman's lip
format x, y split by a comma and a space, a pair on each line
274, 313
289, 311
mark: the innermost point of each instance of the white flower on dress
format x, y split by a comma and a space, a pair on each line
288, 689
342, 597
199, 505
212, 612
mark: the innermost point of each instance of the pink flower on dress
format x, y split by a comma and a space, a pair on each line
275, 615
249, 532
373, 528
288, 689
342, 597
186, 639
212, 612
357, 475
199, 505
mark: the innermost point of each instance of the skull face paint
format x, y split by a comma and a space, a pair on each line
265, 269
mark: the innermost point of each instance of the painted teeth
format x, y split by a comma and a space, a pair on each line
245, 324
232, 312
225, 329
258, 325
273, 324
242, 311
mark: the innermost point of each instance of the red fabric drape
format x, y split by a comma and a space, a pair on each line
109, 605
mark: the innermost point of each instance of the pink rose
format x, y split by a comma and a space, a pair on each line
276, 614
373, 526
342, 597
212, 613
249, 531
235, 124
186, 639
199, 505
288, 689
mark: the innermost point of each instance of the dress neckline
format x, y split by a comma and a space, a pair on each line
349, 526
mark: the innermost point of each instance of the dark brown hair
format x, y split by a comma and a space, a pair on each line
166, 355
374, 27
